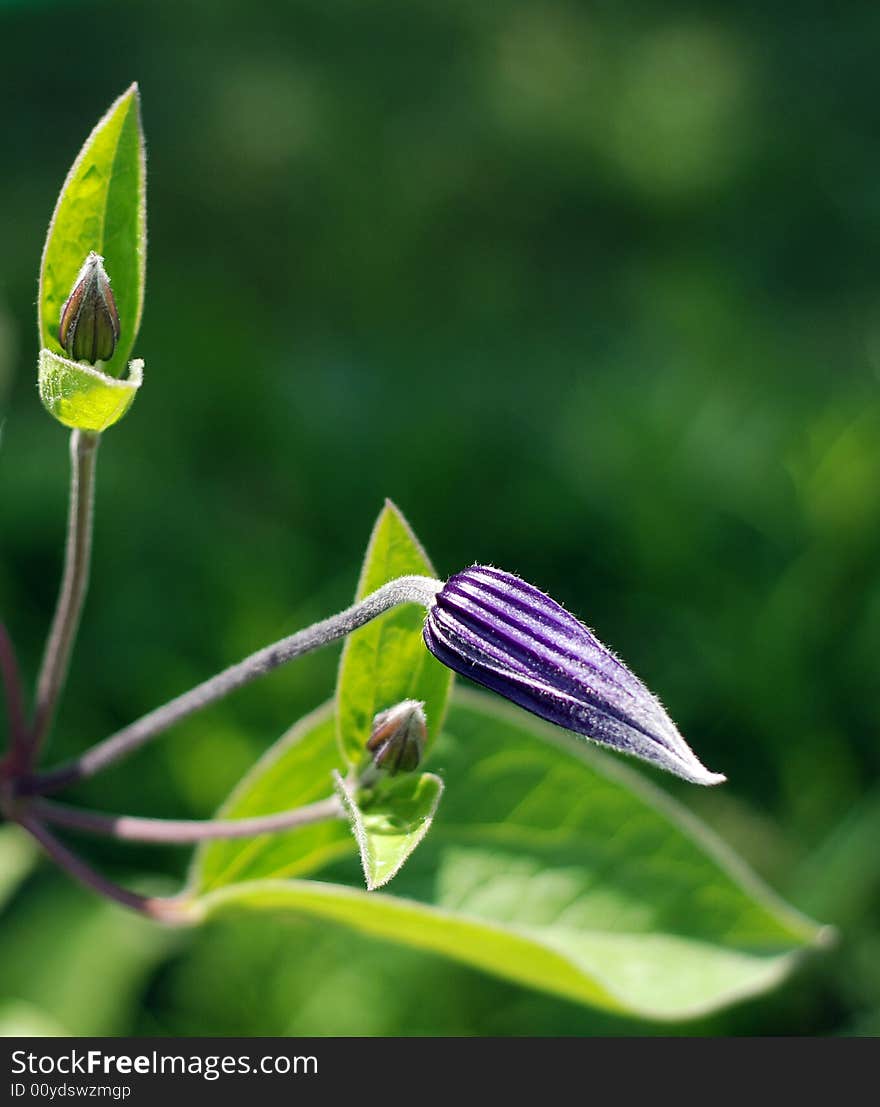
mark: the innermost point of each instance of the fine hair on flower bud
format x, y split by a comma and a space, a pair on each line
88, 328
507, 635
397, 740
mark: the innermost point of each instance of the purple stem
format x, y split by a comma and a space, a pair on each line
412, 589
179, 832
157, 908
18, 736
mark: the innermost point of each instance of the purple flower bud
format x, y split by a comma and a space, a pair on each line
503, 633
398, 738
89, 325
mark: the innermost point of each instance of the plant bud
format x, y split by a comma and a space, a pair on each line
89, 326
505, 634
397, 741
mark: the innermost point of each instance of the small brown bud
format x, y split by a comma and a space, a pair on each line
398, 739
89, 325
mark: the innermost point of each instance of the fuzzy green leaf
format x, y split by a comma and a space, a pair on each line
83, 397
387, 661
101, 207
389, 821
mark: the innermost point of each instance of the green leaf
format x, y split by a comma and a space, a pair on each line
555, 866
83, 397
390, 821
297, 770
386, 661
18, 855
102, 207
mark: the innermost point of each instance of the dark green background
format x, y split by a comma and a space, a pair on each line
592, 291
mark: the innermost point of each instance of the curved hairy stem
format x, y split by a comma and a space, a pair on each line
412, 589
180, 832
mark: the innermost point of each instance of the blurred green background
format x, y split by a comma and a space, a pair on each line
592, 291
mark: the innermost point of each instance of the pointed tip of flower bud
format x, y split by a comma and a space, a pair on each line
397, 741
505, 634
692, 770
88, 328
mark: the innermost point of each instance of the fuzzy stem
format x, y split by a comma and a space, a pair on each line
180, 832
74, 584
18, 740
162, 910
413, 589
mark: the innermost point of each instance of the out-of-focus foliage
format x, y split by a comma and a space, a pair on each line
590, 291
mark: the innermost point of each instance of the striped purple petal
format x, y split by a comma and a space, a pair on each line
503, 633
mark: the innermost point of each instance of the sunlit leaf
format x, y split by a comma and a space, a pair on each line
101, 208
554, 866
83, 397
386, 661
390, 822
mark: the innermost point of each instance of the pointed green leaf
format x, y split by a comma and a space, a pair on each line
390, 821
555, 866
386, 661
297, 770
102, 207
83, 397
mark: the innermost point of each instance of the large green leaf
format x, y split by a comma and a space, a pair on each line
390, 821
554, 866
297, 770
386, 661
102, 207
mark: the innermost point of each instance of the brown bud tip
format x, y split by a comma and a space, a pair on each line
398, 738
89, 325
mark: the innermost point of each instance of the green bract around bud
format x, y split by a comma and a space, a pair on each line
398, 738
89, 325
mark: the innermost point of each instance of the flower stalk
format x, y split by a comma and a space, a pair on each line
411, 589
182, 832
74, 585
158, 908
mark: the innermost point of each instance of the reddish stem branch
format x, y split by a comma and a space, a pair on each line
154, 907
18, 731
180, 832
